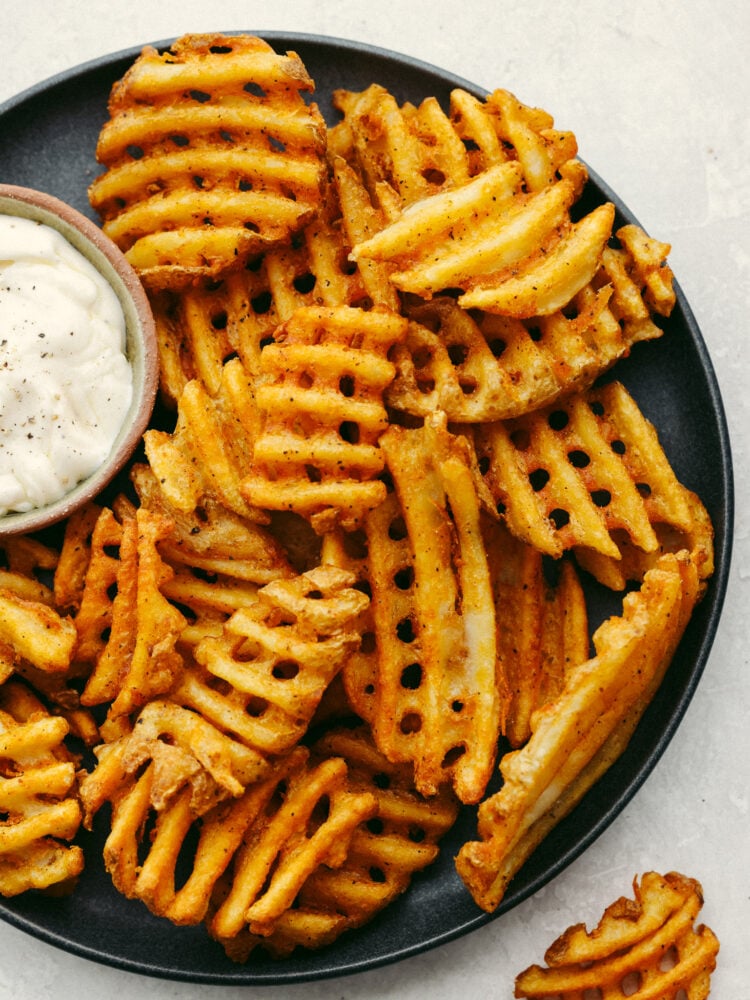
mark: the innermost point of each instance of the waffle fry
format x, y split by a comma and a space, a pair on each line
320, 393
212, 442
385, 852
480, 367
648, 945
202, 326
495, 225
570, 477
277, 657
577, 736
37, 797
213, 539
35, 632
211, 154
173, 767
542, 628
139, 660
436, 701
279, 853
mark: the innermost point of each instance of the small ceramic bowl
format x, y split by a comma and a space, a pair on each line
141, 346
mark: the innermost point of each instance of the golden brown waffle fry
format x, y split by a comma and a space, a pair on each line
569, 476
385, 852
648, 946
321, 396
36, 632
276, 659
172, 768
580, 733
75, 555
312, 826
407, 153
480, 367
542, 627
213, 540
495, 225
359, 675
211, 154
436, 702
509, 252
138, 660
37, 796
206, 454
200, 327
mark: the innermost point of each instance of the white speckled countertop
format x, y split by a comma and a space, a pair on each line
657, 94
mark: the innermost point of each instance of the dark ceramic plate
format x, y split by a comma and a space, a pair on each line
47, 139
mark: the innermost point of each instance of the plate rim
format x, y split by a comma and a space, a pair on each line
281, 975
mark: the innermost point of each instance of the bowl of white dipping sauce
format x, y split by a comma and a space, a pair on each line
78, 360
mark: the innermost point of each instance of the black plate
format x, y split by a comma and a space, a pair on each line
47, 140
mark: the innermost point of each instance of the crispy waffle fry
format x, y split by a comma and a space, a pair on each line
204, 457
212, 539
139, 659
436, 701
497, 224
480, 367
408, 153
359, 675
568, 477
386, 851
172, 768
279, 852
575, 737
37, 796
36, 632
202, 326
648, 946
211, 154
276, 657
75, 556
320, 393
542, 627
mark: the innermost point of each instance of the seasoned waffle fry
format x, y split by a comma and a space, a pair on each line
320, 393
436, 701
213, 539
211, 154
75, 556
479, 367
648, 945
202, 326
576, 736
139, 659
37, 796
408, 153
495, 225
36, 632
569, 477
385, 852
211, 444
189, 767
542, 628
279, 852
359, 675
277, 657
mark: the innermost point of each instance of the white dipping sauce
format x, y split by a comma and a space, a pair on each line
65, 382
